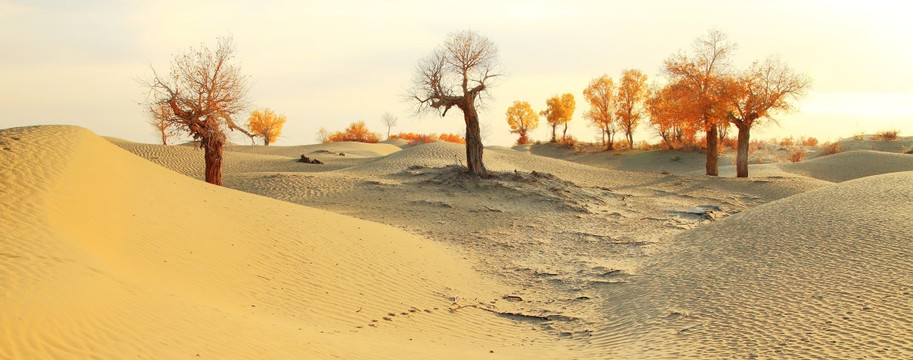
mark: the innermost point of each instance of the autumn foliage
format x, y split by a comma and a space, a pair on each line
266, 124
559, 111
632, 91
357, 131
600, 95
415, 139
522, 119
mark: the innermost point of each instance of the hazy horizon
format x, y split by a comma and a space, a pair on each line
325, 65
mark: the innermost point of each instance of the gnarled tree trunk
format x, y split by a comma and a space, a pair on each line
713, 154
741, 159
474, 145
212, 147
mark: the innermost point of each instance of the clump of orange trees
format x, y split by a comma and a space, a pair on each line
356, 131
415, 139
266, 124
522, 119
559, 111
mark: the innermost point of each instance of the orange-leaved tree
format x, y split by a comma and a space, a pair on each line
203, 91
558, 111
522, 119
266, 124
756, 94
632, 90
356, 131
700, 78
456, 75
600, 94
668, 109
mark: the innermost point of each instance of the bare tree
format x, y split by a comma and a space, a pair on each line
203, 91
162, 121
764, 89
457, 74
389, 120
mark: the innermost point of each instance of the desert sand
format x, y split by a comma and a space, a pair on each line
390, 251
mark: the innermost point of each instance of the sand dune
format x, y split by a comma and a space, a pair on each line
825, 274
111, 256
106, 255
851, 165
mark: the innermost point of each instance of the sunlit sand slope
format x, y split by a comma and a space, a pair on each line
851, 165
825, 274
105, 255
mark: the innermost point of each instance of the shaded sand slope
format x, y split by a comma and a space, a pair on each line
851, 165
188, 160
105, 255
825, 274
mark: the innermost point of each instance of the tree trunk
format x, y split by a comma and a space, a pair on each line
631, 140
474, 145
564, 133
266, 140
741, 160
713, 155
554, 127
213, 155
164, 138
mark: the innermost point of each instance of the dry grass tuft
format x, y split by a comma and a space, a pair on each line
809, 141
797, 155
887, 135
831, 148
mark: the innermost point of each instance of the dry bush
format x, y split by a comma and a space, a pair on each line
809, 141
357, 131
754, 145
797, 155
454, 138
729, 142
787, 141
643, 145
415, 139
831, 148
568, 141
621, 145
887, 135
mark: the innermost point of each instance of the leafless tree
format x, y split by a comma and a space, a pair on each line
457, 74
162, 121
389, 120
203, 91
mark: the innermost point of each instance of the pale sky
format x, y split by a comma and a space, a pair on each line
325, 64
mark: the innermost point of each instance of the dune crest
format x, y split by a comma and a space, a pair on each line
106, 255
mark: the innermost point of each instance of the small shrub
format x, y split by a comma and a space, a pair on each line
643, 145
859, 136
887, 135
676, 158
755, 145
797, 155
809, 141
729, 142
567, 141
356, 131
415, 139
787, 141
621, 145
831, 148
